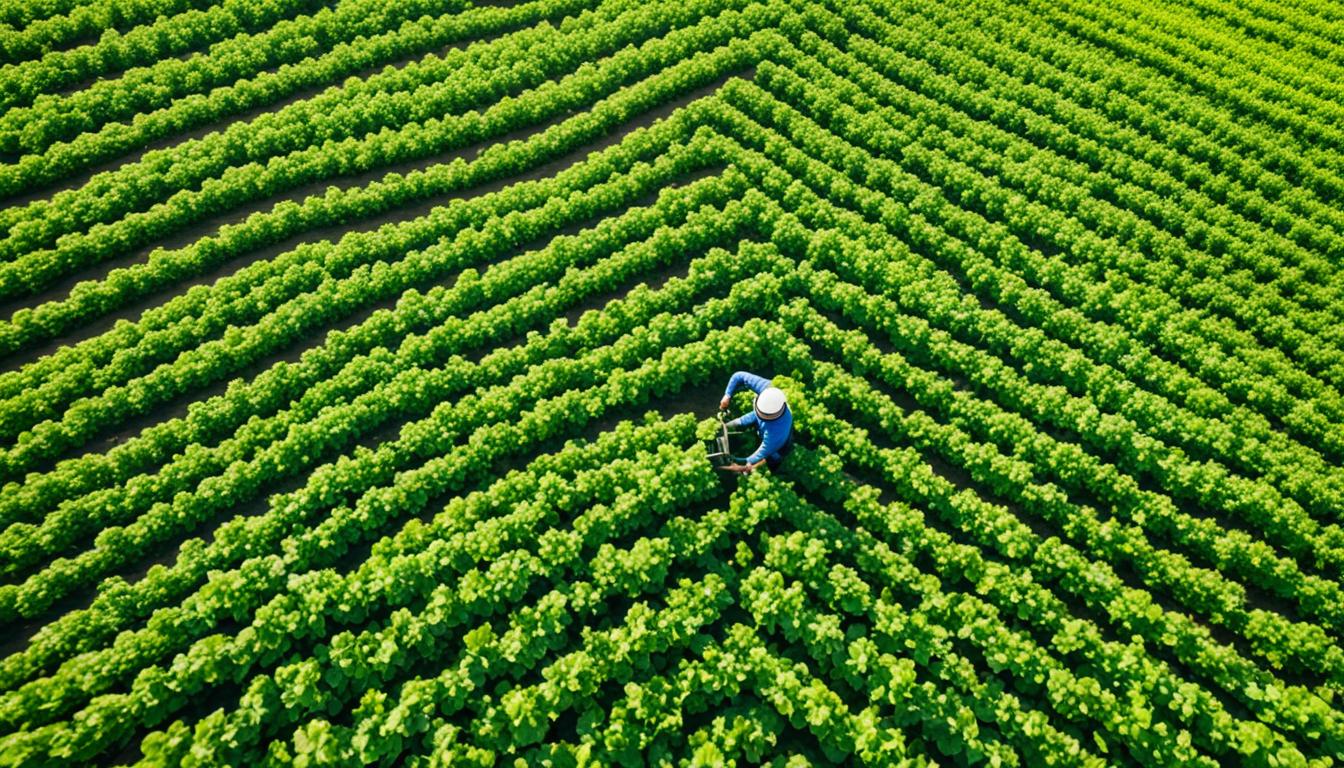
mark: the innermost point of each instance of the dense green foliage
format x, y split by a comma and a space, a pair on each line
358, 359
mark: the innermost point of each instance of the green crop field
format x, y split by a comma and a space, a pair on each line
361, 366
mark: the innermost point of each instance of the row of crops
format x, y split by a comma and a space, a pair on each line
359, 359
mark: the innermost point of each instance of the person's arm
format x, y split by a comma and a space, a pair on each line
748, 419
772, 441
745, 420
744, 468
749, 380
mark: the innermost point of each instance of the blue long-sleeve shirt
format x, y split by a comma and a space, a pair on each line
774, 433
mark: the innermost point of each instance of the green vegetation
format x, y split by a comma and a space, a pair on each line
359, 359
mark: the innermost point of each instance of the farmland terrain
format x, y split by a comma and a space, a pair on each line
358, 359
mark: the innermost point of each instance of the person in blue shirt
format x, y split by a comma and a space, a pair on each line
770, 415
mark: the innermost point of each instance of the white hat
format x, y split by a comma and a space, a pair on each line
769, 404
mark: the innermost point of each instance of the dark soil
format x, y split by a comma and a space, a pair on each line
134, 310
17, 636
701, 397
82, 177
177, 407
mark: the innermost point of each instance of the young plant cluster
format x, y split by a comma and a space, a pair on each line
358, 359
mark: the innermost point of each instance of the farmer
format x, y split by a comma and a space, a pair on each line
771, 416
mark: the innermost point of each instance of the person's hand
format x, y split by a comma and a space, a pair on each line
723, 404
732, 467
747, 469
